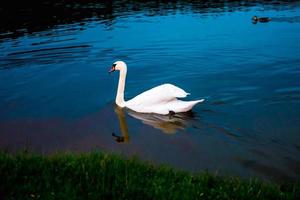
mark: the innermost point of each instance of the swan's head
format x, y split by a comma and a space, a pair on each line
118, 65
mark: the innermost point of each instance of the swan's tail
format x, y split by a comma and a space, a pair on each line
193, 103
199, 101
183, 106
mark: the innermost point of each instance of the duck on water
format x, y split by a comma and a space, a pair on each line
256, 19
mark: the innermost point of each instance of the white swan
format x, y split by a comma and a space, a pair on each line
161, 99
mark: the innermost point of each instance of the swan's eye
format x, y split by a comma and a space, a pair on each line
114, 65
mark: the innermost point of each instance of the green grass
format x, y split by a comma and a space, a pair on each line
105, 176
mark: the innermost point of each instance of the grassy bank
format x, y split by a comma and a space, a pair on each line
104, 176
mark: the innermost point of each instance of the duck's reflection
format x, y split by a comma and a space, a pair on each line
168, 124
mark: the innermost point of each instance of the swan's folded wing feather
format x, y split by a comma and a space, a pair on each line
175, 91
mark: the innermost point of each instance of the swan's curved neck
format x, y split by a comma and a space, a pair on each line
121, 87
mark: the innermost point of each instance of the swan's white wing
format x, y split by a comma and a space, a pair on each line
157, 95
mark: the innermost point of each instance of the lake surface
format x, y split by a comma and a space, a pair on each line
56, 94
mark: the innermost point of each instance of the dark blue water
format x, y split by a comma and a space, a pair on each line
56, 94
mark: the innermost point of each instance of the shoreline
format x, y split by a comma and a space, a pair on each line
98, 175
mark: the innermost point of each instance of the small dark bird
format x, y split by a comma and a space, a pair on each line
256, 19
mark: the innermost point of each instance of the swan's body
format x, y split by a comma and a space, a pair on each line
161, 99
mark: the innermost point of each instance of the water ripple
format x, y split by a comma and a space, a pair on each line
44, 56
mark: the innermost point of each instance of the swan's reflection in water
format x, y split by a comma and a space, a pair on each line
168, 124
123, 126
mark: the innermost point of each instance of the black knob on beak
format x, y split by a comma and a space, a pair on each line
112, 69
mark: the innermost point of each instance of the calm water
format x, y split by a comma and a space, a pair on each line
56, 94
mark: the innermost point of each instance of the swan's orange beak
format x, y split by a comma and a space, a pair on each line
112, 69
